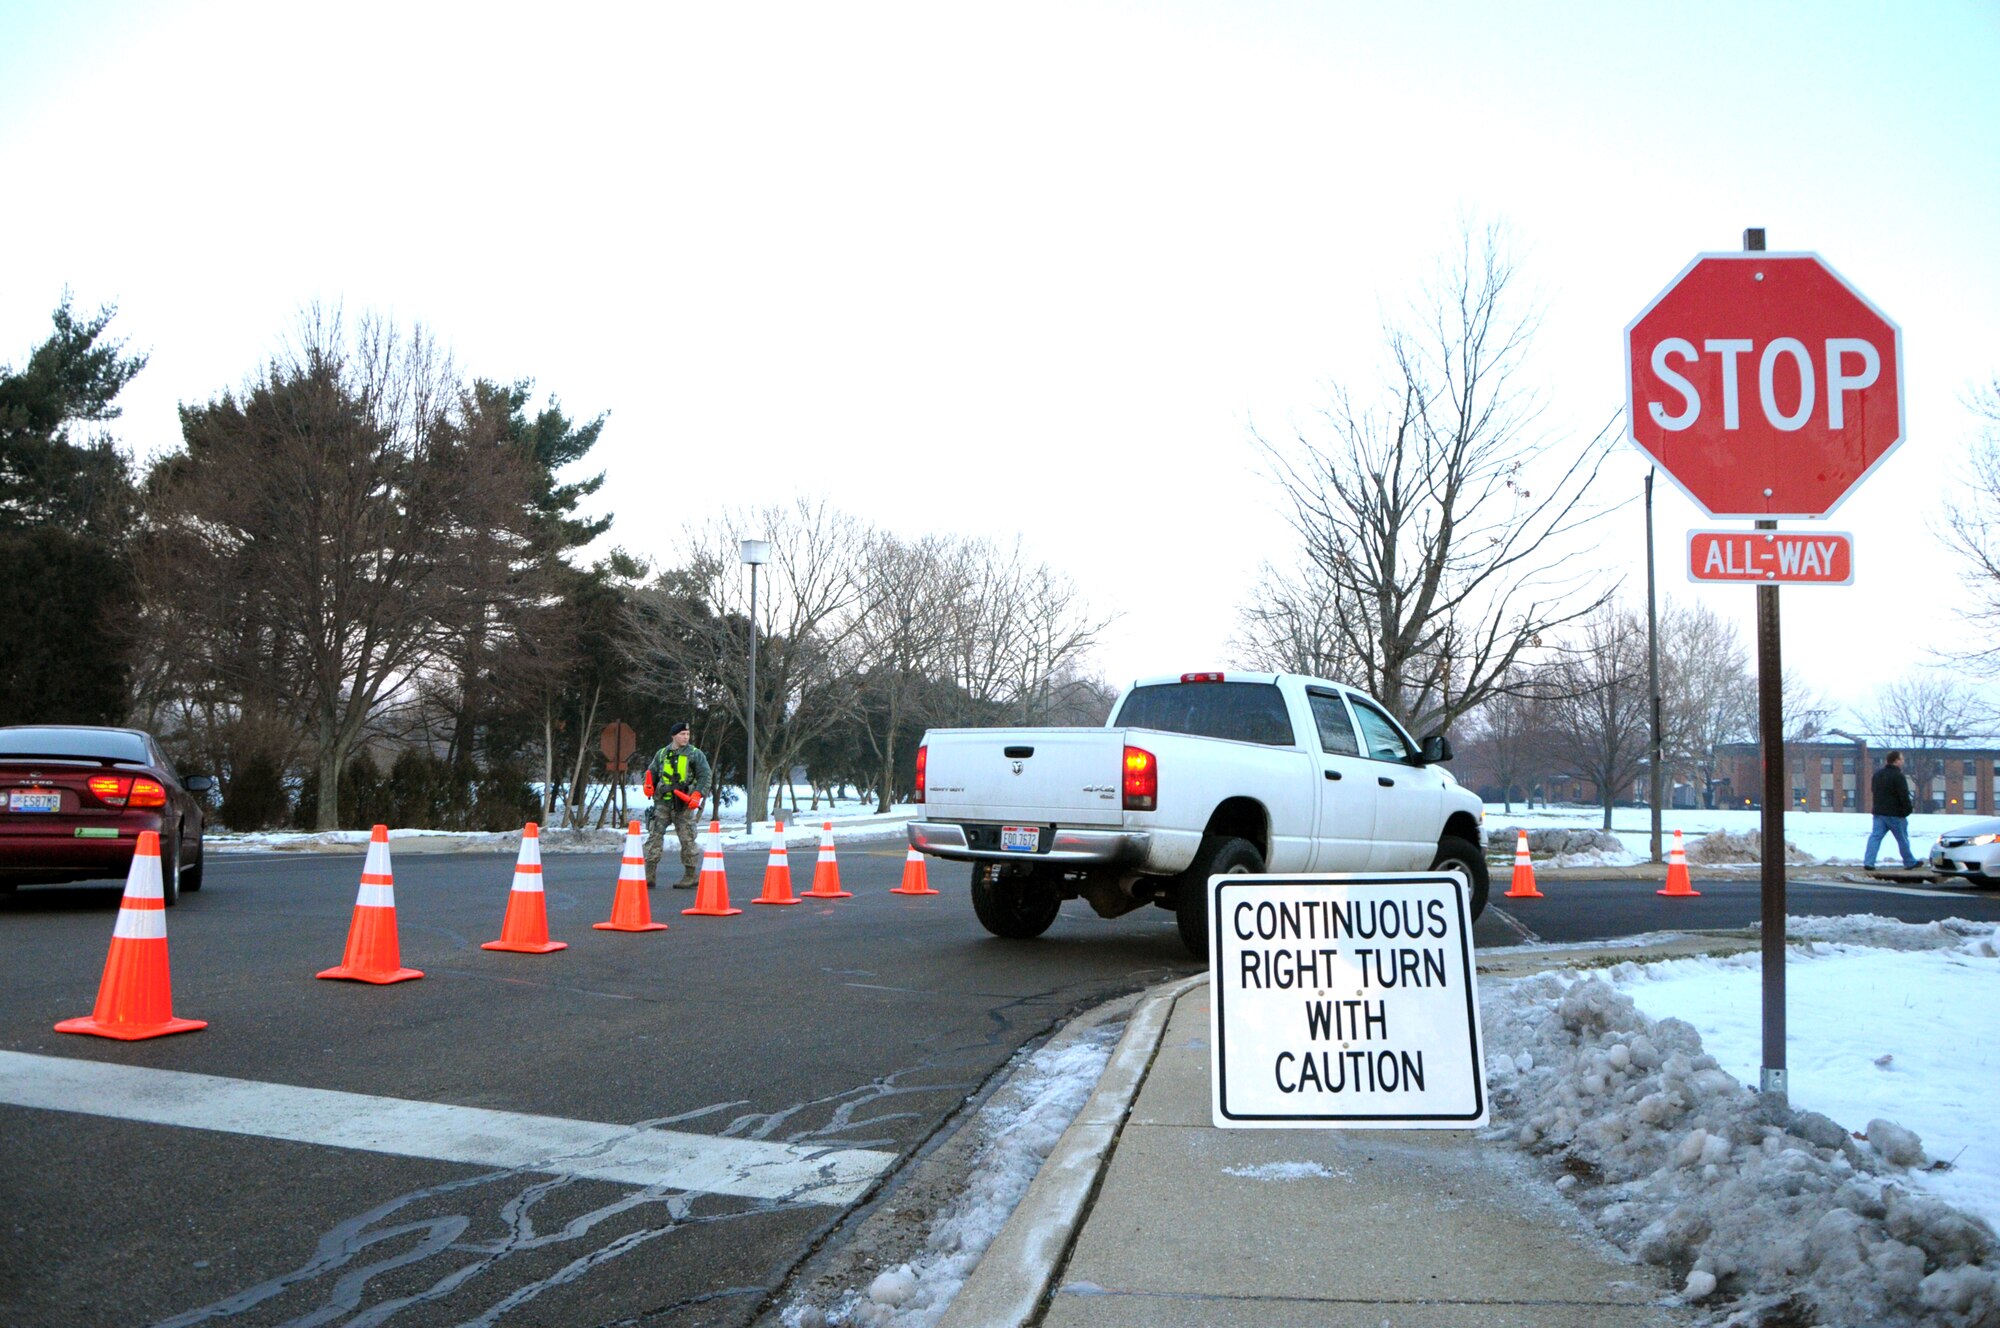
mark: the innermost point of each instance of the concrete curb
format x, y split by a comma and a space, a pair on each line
1007, 1286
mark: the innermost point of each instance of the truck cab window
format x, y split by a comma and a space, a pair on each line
1240, 711
1336, 730
1381, 739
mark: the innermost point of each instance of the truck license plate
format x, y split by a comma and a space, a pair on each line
18, 801
1020, 838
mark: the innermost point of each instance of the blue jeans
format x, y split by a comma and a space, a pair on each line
1899, 826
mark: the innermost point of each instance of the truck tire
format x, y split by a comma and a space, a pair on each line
1013, 906
1218, 855
1462, 855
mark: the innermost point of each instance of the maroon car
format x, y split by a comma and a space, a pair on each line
73, 801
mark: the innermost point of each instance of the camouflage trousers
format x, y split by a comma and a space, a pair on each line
683, 818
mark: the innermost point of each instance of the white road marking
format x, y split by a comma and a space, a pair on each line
628, 1155
1886, 889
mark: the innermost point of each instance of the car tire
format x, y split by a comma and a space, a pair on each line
1013, 906
1465, 857
170, 869
1219, 855
191, 875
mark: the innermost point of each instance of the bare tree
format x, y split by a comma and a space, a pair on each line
1512, 733
808, 595
1974, 537
1295, 622
1055, 631
1924, 714
1416, 512
903, 630
1708, 695
1601, 706
325, 527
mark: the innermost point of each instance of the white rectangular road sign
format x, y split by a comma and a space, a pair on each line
1344, 1001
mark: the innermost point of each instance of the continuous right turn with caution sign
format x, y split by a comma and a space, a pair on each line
1344, 1001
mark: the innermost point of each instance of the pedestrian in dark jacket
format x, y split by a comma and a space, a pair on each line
679, 780
1890, 801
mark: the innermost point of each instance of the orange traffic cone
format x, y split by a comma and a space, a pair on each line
372, 953
135, 1000
1523, 886
826, 872
711, 895
777, 873
916, 881
629, 909
525, 929
1678, 884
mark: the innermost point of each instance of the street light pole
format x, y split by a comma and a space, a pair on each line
755, 553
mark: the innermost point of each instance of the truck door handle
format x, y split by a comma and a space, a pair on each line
1333, 774
1385, 781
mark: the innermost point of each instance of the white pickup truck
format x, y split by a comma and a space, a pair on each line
1193, 776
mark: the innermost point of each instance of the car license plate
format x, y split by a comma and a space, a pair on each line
1020, 838
20, 801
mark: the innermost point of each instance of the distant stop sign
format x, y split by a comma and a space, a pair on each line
1764, 384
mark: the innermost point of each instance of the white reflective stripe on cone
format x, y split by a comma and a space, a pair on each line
376, 896
140, 924
527, 884
144, 881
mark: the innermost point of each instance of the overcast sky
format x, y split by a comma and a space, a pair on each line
1010, 268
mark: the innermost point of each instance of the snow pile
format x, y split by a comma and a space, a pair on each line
1720, 846
1768, 1213
1018, 1127
1824, 837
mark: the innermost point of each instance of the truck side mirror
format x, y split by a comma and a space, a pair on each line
1436, 750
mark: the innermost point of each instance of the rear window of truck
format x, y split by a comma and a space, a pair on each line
1241, 711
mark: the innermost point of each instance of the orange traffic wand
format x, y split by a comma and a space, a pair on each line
525, 929
826, 872
630, 910
777, 872
1523, 885
372, 952
711, 895
135, 999
1678, 884
916, 880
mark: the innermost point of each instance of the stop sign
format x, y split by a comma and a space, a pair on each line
1764, 384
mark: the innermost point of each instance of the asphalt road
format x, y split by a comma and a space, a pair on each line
861, 1024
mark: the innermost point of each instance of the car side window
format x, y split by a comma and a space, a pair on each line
1380, 738
1336, 730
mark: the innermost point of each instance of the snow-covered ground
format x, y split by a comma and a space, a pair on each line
1833, 838
1870, 1204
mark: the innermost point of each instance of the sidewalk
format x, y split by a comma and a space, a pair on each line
1188, 1224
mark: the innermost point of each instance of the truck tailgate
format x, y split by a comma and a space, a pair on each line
1035, 776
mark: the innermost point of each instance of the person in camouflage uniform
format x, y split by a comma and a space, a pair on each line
680, 780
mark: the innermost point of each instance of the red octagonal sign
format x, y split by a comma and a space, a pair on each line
1764, 384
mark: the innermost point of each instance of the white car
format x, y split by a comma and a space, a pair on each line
1969, 852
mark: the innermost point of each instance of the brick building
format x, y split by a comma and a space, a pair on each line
1832, 775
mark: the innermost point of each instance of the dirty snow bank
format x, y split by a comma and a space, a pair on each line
1768, 1213
1018, 1127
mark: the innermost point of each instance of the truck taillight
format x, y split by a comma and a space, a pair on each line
1142, 780
923, 758
148, 793
110, 789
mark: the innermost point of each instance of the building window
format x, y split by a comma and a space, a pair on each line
1826, 765
1846, 765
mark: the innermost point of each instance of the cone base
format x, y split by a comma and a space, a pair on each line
526, 947
711, 912
1524, 894
761, 900
1679, 894
628, 926
378, 976
899, 890
827, 894
129, 1032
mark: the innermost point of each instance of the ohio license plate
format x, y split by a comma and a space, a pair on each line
1020, 838
19, 801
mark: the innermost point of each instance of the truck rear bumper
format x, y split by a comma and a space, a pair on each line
1078, 848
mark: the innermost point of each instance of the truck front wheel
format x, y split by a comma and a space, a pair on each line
1219, 855
1015, 905
1464, 856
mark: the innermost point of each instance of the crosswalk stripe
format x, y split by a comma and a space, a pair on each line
629, 1155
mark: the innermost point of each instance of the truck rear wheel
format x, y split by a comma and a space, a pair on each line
1464, 856
1017, 906
1218, 856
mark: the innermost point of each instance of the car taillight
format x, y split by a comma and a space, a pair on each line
148, 793
1201, 677
1142, 780
923, 759
110, 789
